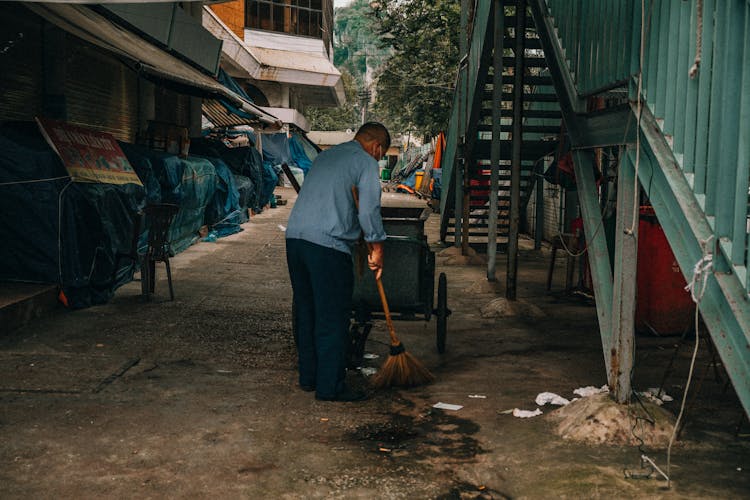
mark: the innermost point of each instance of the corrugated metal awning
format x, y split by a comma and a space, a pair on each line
150, 60
221, 116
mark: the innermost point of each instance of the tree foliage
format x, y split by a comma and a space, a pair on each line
356, 39
411, 50
415, 84
355, 48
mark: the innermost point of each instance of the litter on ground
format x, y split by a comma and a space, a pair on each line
590, 390
526, 413
550, 397
447, 406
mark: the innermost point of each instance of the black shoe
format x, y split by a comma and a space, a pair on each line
307, 388
346, 395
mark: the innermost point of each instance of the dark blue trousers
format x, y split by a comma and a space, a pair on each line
322, 282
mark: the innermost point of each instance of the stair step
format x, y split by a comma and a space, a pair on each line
481, 248
21, 303
529, 62
508, 96
527, 80
529, 43
527, 129
503, 203
510, 21
530, 150
477, 234
525, 174
530, 113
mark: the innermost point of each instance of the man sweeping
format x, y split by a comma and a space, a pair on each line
323, 228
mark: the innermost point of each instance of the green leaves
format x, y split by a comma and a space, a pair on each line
415, 84
409, 49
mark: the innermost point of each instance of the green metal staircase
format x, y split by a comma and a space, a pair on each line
537, 129
683, 137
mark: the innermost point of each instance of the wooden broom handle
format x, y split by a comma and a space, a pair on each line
386, 310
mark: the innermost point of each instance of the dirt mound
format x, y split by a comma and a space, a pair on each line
503, 308
454, 257
484, 287
599, 419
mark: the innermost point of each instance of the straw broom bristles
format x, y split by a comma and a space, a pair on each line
401, 368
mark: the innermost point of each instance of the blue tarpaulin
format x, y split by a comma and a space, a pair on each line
58, 231
242, 161
223, 213
299, 155
276, 149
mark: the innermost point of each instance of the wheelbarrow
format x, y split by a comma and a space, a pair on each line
408, 279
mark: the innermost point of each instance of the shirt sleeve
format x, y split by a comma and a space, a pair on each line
369, 205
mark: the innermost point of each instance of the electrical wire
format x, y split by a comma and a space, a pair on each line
14, 183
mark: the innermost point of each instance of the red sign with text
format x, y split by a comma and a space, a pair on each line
88, 155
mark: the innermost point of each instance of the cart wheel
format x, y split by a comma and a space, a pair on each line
442, 312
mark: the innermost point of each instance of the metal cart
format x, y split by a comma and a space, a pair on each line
408, 279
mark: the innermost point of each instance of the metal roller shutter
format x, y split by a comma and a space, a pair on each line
21, 83
101, 92
172, 108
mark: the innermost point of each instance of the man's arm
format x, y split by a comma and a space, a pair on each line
371, 221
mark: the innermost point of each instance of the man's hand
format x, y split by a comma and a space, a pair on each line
375, 259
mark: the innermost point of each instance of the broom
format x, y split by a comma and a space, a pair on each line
401, 368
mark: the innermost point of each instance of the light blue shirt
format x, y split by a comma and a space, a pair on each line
324, 212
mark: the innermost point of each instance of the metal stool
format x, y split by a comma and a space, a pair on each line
158, 219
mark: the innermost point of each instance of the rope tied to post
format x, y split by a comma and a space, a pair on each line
698, 40
701, 271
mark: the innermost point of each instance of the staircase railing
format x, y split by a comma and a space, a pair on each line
469, 86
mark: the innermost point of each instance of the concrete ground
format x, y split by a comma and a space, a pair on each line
197, 398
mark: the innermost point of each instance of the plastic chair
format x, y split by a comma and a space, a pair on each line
159, 219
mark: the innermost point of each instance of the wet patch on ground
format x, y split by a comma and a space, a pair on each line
435, 434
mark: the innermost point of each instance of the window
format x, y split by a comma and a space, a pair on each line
294, 17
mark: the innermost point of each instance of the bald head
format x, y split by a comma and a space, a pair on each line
373, 133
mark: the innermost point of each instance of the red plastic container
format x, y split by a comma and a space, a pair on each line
662, 303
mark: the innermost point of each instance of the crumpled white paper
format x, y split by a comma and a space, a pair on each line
550, 397
663, 395
655, 396
526, 413
590, 390
447, 406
